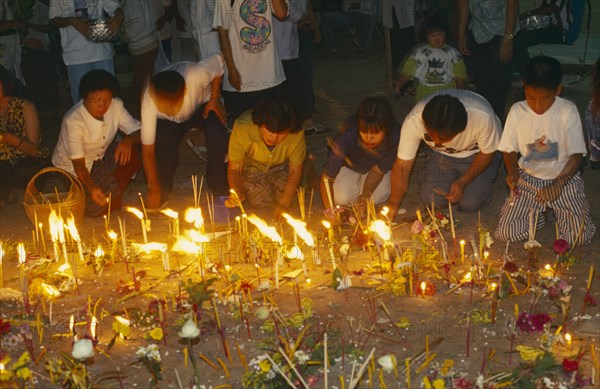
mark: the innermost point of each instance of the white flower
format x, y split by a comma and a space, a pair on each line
531, 244
387, 362
83, 349
345, 283
189, 330
301, 357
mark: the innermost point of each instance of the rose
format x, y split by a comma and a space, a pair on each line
83, 349
189, 330
561, 246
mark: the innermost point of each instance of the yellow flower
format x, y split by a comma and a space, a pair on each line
439, 384
5, 374
156, 333
121, 329
529, 354
23, 373
265, 365
448, 363
23, 359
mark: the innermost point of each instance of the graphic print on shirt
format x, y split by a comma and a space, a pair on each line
541, 150
435, 71
255, 37
81, 9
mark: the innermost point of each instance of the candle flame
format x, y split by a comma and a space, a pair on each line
56, 227
381, 228
294, 252
122, 320
184, 245
462, 242
385, 210
152, 246
99, 252
93, 326
423, 286
467, 276
493, 286
194, 215
22, 253
300, 228
266, 230
2, 367
136, 212
568, 338
326, 224
170, 213
112, 235
63, 268
50, 290
1, 252
71, 324
548, 267
73, 229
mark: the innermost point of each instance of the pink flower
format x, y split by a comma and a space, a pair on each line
416, 227
561, 246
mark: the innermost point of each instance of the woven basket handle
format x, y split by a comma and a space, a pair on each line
74, 180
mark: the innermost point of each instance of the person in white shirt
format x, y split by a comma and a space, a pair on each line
86, 144
543, 148
206, 37
81, 55
182, 96
462, 134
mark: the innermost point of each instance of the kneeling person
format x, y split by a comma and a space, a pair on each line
86, 144
266, 156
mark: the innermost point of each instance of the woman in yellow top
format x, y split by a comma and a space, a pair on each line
21, 155
266, 156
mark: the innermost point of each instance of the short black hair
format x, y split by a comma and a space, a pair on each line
375, 114
11, 86
433, 23
542, 72
445, 115
96, 80
277, 115
168, 84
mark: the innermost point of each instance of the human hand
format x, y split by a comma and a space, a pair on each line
233, 201
216, 106
153, 197
462, 45
81, 26
123, 151
33, 43
98, 196
114, 23
512, 179
506, 50
456, 192
235, 79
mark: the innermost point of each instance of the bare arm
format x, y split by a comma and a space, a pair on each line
84, 176
463, 21
512, 15
400, 177
289, 190
373, 179
480, 162
151, 173
554, 190
215, 104
323, 188
234, 76
280, 9
512, 168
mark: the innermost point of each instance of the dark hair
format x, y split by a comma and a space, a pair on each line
277, 115
168, 84
11, 86
445, 115
96, 80
375, 114
434, 23
542, 72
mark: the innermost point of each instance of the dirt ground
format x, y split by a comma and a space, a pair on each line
370, 314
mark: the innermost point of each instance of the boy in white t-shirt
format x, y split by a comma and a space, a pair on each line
543, 149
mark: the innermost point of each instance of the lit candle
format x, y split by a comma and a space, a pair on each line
462, 251
43, 240
54, 231
23, 275
72, 327
423, 288
123, 236
93, 326
327, 225
51, 292
175, 220
140, 216
569, 340
113, 247
75, 235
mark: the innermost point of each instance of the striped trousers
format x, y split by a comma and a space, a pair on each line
264, 189
571, 209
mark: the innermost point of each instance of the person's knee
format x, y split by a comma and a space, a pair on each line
473, 203
343, 197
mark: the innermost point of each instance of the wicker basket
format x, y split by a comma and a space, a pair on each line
68, 203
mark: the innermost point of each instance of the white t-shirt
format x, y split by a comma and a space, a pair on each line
545, 141
253, 48
76, 48
286, 32
481, 134
201, 15
83, 136
198, 81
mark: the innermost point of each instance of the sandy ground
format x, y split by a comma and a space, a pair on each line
361, 318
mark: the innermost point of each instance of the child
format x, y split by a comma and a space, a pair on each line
435, 66
592, 120
266, 155
361, 158
543, 148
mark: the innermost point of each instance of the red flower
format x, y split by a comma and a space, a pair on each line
4, 327
570, 365
561, 246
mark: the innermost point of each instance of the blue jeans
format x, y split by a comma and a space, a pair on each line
365, 22
75, 73
440, 171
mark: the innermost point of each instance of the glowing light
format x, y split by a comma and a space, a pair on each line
56, 227
1, 252
50, 290
468, 277
122, 320
265, 229
326, 224
385, 210
152, 246
99, 252
568, 338
64, 268
22, 253
71, 324
112, 235
184, 245
197, 237
170, 213
93, 326
300, 228
493, 286
73, 229
194, 215
548, 267
381, 228
423, 286
136, 212
308, 282
294, 252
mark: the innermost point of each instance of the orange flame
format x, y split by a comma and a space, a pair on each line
265, 229
56, 227
50, 290
136, 212
152, 246
99, 252
381, 228
194, 215
300, 228
73, 229
170, 213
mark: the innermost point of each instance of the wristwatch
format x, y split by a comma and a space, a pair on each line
509, 36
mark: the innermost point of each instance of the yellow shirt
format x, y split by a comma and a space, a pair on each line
246, 145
